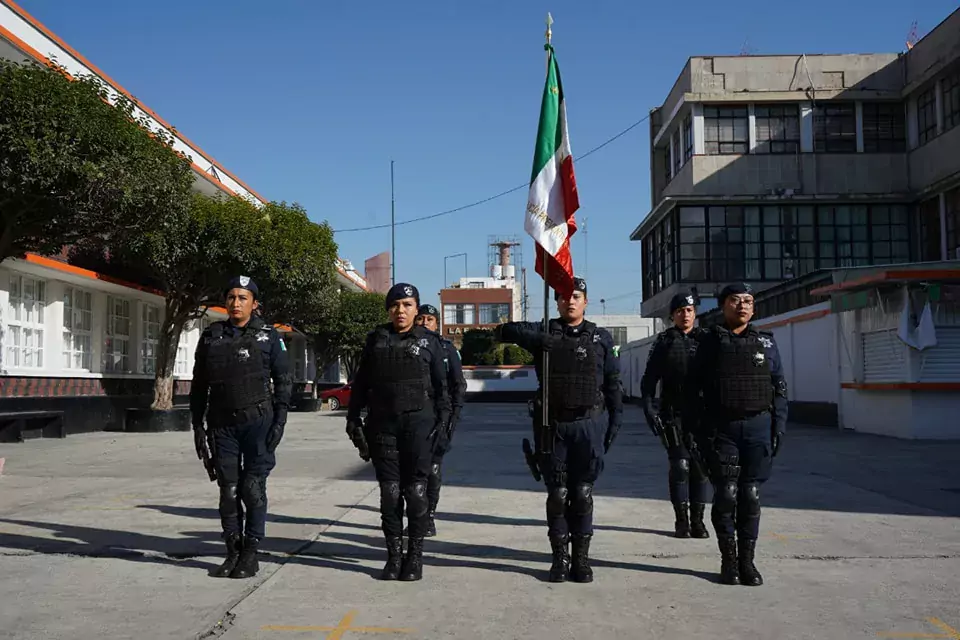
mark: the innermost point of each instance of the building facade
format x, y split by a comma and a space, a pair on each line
768, 168
478, 303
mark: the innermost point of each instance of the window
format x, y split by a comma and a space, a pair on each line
77, 324
149, 336
927, 115
493, 313
953, 224
116, 347
951, 100
929, 213
687, 138
458, 314
725, 130
25, 322
182, 365
834, 128
667, 167
677, 158
619, 335
693, 247
778, 128
889, 234
884, 127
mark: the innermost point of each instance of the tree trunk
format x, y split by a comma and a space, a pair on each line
174, 318
350, 363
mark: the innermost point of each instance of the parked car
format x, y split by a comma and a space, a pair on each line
337, 397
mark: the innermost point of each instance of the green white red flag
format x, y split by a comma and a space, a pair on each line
553, 195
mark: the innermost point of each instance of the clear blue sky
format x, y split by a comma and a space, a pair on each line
309, 101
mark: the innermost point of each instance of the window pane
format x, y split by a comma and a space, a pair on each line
691, 216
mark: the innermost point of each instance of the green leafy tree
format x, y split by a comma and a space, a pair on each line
514, 354
344, 334
72, 166
477, 346
192, 260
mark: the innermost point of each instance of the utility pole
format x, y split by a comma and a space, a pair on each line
393, 233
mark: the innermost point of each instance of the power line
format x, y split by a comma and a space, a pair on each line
525, 185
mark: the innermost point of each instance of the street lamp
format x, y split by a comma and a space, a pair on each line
456, 255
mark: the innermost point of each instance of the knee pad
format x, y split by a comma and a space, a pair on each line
557, 500
228, 500
416, 498
581, 503
389, 496
253, 491
435, 469
726, 495
680, 469
750, 498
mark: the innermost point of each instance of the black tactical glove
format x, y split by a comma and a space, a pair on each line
441, 437
612, 430
650, 415
200, 442
355, 432
274, 436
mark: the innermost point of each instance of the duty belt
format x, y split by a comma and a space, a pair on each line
576, 413
727, 415
241, 416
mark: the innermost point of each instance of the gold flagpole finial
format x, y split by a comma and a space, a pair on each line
549, 33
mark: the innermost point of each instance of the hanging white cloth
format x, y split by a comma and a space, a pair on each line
926, 334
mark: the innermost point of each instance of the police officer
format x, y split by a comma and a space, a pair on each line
668, 362
236, 360
738, 373
584, 409
429, 318
401, 380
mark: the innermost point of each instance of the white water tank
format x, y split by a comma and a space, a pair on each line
509, 271
496, 271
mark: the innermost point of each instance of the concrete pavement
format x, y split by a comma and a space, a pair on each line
111, 536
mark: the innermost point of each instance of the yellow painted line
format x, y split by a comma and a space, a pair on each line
783, 538
336, 633
951, 633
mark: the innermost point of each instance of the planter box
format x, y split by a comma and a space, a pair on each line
151, 421
308, 405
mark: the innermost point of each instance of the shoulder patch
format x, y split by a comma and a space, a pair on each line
765, 341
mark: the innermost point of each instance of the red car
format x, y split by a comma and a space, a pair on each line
337, 397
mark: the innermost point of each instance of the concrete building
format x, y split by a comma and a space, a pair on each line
768, 168
626, 328
81, 342
376, 270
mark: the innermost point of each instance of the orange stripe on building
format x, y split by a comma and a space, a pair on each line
883, 276
803, 317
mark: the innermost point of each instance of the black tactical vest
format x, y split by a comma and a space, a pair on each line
678, 352
740, 382
236, 371
573, 371
399, 375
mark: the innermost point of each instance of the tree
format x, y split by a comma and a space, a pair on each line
345, 333
476, 343
72, 166
192, 260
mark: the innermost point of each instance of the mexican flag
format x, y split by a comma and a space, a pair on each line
553, 189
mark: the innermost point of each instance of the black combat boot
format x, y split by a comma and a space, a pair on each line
560, 569
391, 570
748, 572
682, 524
247, 566
234, 542
697, 528
580, 570
431, 526
729, 571
413, 561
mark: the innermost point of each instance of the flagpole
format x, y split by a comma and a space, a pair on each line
546, 437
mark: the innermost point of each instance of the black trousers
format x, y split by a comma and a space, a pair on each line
741, 461
688, 482
243, 465
570, 472
401, 448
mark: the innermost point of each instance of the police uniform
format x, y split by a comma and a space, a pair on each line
585, 411
457, 389
668, 362
401, 381
232, 373
743, 415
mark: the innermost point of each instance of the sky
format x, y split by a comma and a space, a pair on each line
309, 102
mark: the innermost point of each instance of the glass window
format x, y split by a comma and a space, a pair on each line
834, 128
677, 157
884, 127
929, 214
494, 313
777, 128
725, 130
687, 138
149, 338
951, 100
619, 335
927, 115
116, 346
25, 322
953, 224
459, 314
77, 325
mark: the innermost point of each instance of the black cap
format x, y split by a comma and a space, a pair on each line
243, 282
682, 299
579, 284
731, 289
429, 310
400, 291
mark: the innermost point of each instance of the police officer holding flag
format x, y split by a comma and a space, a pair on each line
402, 383
667, 363
737, 398
584, 411
236, 360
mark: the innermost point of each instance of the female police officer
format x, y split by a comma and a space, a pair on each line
738, 395
401, 381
